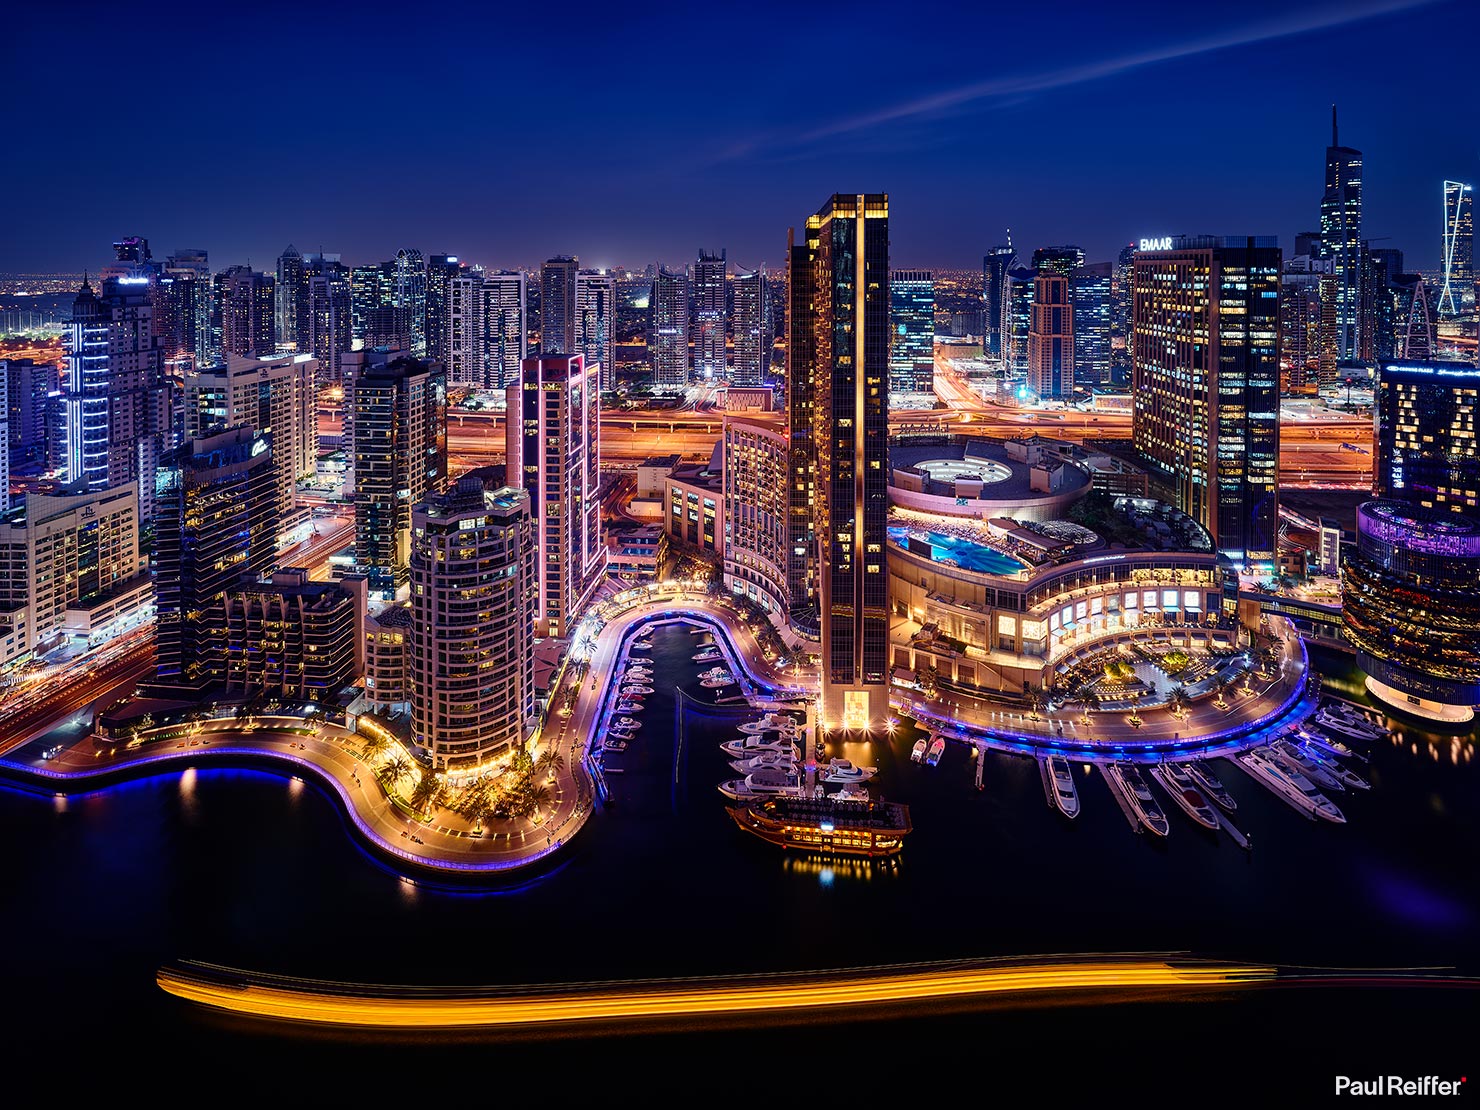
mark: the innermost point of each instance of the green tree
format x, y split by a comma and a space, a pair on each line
429, 791
373, 744
550, 762
396, 768
538, 797
1089, 701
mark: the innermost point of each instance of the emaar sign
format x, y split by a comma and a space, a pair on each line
1162, 244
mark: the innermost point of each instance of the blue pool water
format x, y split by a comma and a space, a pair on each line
965, 553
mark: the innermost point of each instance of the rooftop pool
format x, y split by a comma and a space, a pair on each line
964, 553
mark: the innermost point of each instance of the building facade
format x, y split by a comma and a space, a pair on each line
399, 407
1457, 293
1051, 339
1341, 239
553, 451
912, 328
1425, 450
709, 292
473, 589
754, 469
558, 305
1206, 384
751, 325
596, 321
294, 638
670, 331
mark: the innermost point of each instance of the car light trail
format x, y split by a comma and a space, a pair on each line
409, 1008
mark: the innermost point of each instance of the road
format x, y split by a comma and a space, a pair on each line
335, 533
101, 683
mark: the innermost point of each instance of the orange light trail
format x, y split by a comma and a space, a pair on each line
349, 1004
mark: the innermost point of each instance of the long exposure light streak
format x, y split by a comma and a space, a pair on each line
408, 1008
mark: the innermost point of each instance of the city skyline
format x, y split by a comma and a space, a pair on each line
1000, 138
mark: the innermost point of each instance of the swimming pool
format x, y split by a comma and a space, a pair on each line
964, 553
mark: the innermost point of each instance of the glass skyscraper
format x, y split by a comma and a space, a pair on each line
558, 305
1092, 323
1051, 338
596, 321
709, 294
750, 323
1457, 294
1207, 394
995, 267
670, 333
912, 324
845, 354
1425, 416
1341, 240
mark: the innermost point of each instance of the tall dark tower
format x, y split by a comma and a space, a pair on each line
844, 328
1341, 239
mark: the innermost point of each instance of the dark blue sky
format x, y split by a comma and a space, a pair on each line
629, 132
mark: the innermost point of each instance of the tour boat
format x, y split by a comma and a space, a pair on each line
1179, 783
830, 825
1061, 777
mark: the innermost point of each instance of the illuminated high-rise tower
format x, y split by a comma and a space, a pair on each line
292, 306
1457, 295
709, 293
1341, 239
840, 343
670, 335
1206, 384
995, 298
1051, 337
596, 321
558, 305
752, 356
912, 327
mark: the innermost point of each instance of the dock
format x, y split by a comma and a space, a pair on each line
1238, 838
1047, 777
1118, 790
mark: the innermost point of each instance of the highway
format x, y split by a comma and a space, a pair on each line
100, 682
335, 533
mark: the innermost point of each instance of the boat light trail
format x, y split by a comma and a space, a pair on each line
407, 1008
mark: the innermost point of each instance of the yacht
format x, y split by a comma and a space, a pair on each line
1294, 788
766, 761
1203, 775
1349, 724
614, 745
1139, 796
845, 771
1061, 778
850, 794
757, 745
771, 722
636, 691
1293, 759
937, 749
642, 645
762, 784
917, 753
625, 724
627, 705
716, 683
1178, 782
1329, 765
1315, 737
708, 655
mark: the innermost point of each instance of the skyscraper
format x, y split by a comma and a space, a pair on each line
1341, 239
1018, 321
292, 301
215, 520
596, 322
373, 316
1457, 294
505, 334
399, 407
466, 341
553, 451
1308, 322
85, 392
709, 293
409, 299
247, 304
472, 632
1051, 338
441, 269
801, 462
275, 396
183, 310
1425, 445
1206, 384
558, 305
846, 321
670, 329
330, 317
1093, 309
1120, 316
752, 353
995, 267
912, 326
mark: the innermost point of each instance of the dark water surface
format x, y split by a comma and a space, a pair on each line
254, 870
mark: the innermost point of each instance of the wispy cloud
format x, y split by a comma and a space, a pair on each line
1021, 85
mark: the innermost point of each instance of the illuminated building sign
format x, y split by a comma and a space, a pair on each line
1162, 244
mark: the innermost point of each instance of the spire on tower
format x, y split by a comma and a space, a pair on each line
1333, 126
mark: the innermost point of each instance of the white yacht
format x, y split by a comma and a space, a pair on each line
1139, 796
749, 746
1286, 753
917, 753
1065, 794
1314, 737
845, 771
1294, 788
625, 724
636, 691
762, 784
1179, 783
1349, 724
1329, 765
627, 705
771, 722
1203, 775
766, 761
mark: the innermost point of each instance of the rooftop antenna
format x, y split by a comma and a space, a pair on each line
1333, 126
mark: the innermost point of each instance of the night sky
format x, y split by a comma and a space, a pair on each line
632, 132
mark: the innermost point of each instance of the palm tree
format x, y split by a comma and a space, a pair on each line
396, 768
1037, 702
1177, 700
314, 720
1088, 701
372, 744
428, 791
1247, 672
475, 804
551, 762
537, 796
1220, 687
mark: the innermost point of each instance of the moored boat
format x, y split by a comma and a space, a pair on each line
917, 753
1138, 795
1290, 756
829, 825
1297, 790
844, 771
1061, 781
936, 750
1179, 784
1204, 776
